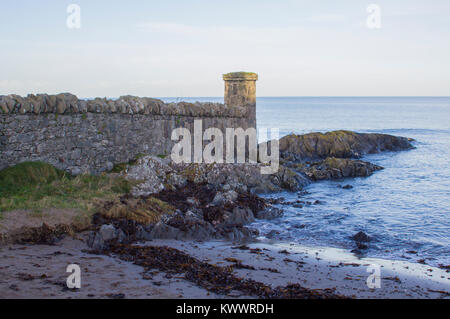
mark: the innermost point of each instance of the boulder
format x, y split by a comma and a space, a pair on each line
337, 168
164, 231
240, 235
107, 233
340, 144
153, 172
289, 179
223, 198
239, 216
361, 237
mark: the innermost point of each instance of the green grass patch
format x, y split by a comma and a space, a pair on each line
120, 167
37, 186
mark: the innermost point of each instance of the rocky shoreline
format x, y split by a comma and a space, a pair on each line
204, 202
217, 201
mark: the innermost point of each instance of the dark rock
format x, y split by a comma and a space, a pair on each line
240, 235
347, 186
269, 213
272, 234
361, 237
357, 252
341, 144
101, 239
223, 198
337, 168
240, 216
164, 231
361, 246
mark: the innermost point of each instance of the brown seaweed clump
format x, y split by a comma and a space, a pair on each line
142, 210
216, 279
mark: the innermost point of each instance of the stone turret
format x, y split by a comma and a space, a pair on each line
240, 90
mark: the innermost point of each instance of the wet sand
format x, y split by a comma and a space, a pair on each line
39, 271
320, 268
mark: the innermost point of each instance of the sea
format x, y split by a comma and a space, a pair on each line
405, 208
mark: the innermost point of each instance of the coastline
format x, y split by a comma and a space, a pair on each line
38, 271
178, 231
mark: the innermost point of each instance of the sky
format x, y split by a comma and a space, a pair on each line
181, 48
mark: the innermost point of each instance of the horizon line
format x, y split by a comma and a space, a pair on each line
315, 96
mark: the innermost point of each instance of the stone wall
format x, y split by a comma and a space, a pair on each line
92, 135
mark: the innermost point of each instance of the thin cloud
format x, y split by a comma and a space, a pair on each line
327, 18
226, 33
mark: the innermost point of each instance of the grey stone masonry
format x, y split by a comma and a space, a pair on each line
90, 136
66, 103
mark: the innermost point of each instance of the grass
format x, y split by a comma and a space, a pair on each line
120, 167
36, 186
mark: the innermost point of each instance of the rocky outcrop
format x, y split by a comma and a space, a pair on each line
199, 202
334, 155
339, 144
336, 168
158, 174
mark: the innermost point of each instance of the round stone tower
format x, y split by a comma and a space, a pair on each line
240, 90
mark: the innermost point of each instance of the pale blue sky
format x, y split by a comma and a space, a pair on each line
181, 48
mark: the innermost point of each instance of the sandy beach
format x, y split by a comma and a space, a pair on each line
39, 271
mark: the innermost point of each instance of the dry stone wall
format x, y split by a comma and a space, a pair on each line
90, 136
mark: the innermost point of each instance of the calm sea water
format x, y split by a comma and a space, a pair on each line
405, 207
